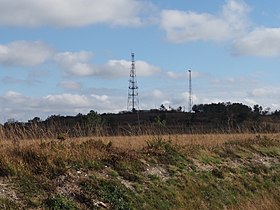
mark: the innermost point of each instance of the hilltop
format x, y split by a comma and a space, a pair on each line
205, 118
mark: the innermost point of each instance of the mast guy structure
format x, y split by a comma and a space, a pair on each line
133, 100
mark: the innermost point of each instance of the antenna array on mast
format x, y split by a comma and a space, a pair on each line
132, 101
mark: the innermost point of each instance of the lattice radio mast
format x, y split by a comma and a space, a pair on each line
133, 100
190, 90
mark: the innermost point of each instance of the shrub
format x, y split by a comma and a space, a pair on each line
57, 202
165, 151
109, 191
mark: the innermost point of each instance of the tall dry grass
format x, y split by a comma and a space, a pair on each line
211, 140
53, 129
48, 160
140, 141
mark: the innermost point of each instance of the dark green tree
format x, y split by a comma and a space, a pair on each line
93, 118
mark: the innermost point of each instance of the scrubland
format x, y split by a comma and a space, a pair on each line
197, 171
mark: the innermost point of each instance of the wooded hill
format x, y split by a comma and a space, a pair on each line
205, 118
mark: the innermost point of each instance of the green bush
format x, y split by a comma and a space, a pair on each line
109, 191
58, 202
165, 151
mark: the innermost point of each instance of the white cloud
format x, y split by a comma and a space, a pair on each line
72, 100
183, 26
28, 53
16, 81
229, 81
232, 24
24, 53
264, 42
68, 58
259, 92
72, 13
169, 98
166, 103
173, 75
146, 69
102, 98
14, 96
235, 13
186, 26
157, 94
75, 63
185, 98
18, 106
117, 68
265, 92
21, 107
250, 102
70, 85
78, 64
183, 75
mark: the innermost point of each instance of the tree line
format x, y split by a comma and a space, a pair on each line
203, 118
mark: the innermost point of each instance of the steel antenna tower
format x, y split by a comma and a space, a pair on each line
190, 90
133, 101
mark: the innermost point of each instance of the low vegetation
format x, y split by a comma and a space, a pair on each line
164, 172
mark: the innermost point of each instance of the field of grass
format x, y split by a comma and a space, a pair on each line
211, 171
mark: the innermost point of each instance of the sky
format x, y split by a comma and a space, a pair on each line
64, 57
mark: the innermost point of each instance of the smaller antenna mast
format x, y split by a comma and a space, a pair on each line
190, 90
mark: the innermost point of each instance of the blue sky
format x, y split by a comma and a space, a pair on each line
68, 57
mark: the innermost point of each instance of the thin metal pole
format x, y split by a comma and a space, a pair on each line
190, 90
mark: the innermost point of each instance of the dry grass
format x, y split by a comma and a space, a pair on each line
211, 140
138, 142
264, 202
90, 165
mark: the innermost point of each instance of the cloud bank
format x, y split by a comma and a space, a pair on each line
261, 42
187, 26
21, 107
71, 13
25, 53
231, 25
77, 64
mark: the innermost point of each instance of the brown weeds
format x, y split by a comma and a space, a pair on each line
209, 140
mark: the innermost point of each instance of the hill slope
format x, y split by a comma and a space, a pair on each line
89, 174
